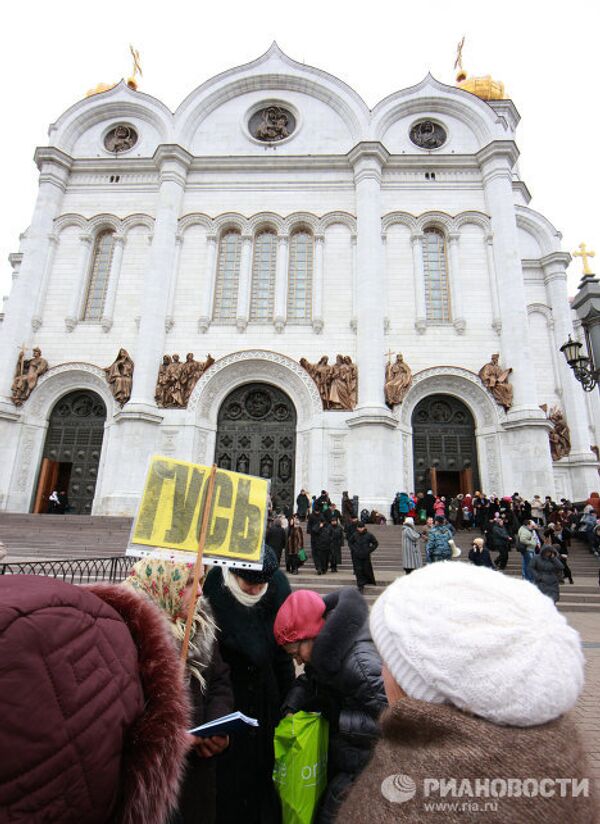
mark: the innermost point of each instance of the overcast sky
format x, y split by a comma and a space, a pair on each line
545, 52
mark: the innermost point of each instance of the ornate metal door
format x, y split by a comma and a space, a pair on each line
443, 440
75, 438
257, 435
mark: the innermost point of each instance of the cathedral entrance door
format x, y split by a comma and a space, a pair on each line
444, 446
256, 435
72, 451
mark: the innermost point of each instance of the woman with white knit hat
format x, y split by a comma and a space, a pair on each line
480, 670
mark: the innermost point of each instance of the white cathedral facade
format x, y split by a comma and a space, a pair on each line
275, 217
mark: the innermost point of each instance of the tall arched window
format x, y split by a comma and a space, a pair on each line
99, 274
435, 267
263, 277
300, 276
228, 275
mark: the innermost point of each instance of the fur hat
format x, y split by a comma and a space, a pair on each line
260, 576
491, 645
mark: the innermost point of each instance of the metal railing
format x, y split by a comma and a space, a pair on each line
76, 570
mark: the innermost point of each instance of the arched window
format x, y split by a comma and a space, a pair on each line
300, 276
228, 275
263, 277
435, 267
99, 274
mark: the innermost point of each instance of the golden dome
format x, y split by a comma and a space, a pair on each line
101, 87
484, 87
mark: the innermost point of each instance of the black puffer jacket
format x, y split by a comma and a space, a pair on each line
344, 682
547, 569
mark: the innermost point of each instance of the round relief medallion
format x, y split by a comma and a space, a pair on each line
428, 135
258, 404
272, 123
120, 138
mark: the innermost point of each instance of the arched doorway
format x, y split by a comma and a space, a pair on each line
72, 451
444, 446
256, 435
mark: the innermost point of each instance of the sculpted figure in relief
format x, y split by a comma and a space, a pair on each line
120, 377
398, 378
273, 125
176, 380
337, 383
560, 436
495, 379
27, 374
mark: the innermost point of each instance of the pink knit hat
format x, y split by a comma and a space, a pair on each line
299, 617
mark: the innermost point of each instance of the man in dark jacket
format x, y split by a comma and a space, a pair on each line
362, 544
322, 546
337, 542
312, 524
500, 540
276, 538
342, 679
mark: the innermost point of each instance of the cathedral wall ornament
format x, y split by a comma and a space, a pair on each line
398, 378
27, 374
337, 383
495, 380
176, 380
119, 376
560, 435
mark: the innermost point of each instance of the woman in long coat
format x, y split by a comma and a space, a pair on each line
411, 551
245, 604
547, 569
295, 542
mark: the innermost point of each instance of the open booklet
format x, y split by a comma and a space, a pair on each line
234, 722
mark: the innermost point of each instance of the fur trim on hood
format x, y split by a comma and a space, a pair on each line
345, 616
154, 761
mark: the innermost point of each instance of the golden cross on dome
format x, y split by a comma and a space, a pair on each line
137, 69
458, 62
585, 255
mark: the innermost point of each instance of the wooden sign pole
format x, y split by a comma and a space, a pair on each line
198, 566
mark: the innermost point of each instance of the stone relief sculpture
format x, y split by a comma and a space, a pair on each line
120, 376
495, 379
176, 380
27, 374
398, 378
337, 383
560, 435
274, 122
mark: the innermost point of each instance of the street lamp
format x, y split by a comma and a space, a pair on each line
585, 373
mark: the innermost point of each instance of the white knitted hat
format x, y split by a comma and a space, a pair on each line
491, 645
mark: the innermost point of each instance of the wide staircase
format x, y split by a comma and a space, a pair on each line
62, 540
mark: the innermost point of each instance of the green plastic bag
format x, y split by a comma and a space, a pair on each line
300, 773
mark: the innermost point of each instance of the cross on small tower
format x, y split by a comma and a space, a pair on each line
585, 255
389, 356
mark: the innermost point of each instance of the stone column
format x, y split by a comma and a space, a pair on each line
170, 318
106, 321
78, 294
419, 283
489, 253
208, 293
354, 299
54, 168
281, 284
245, 284
526, 456
582, 462
458, 317
173, 163
317, 286
371, 443
36, 320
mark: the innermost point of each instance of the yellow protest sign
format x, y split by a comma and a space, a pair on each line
170, 514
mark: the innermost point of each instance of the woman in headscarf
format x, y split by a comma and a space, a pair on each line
411, 551
170, 587
245, 603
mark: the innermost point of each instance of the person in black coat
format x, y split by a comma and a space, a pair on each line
500, 540
303, 504
362, 544
245, 604
312, 524
276, 538
322, 546
342, 679
479, 555
337, 542
428, 503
